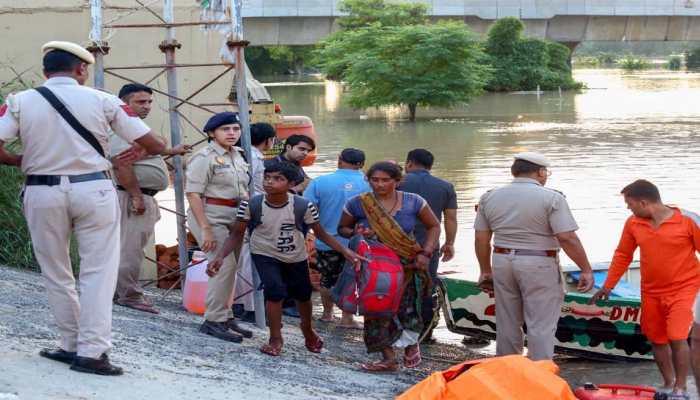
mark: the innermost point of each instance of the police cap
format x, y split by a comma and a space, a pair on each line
69, 47
535, 158
219, 119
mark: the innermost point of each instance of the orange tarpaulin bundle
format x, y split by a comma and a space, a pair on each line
498, 378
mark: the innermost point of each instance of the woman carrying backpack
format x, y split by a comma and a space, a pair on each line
390, 216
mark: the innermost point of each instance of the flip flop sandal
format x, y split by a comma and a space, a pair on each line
380, 366
412, 361
271, 350
314, 345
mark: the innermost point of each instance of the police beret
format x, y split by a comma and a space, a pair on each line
223, 118
69, 47
535, 158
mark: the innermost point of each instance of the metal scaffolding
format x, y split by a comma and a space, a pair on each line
235, 43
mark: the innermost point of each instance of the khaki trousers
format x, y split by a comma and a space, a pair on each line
136, 232
221, 285
90, 211
529, 290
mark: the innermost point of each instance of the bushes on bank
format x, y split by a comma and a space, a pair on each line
632, 63
675, 63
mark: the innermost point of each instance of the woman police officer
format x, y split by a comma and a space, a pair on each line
217, 179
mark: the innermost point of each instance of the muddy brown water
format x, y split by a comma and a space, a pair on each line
624, 127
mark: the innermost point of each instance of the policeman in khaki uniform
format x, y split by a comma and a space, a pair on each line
529, 224
217, 180
137, 185
68, 191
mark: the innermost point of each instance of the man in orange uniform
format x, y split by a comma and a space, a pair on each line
668, 239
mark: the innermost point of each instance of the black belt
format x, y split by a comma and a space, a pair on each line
53, 180
525, 252
147, 192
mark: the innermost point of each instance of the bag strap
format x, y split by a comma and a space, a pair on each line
301, 204
70, 119
255, 208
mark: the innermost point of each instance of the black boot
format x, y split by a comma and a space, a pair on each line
220, 330
98, 366
232, 325
59, 355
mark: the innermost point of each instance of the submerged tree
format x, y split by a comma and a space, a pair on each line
524, 64
414, 65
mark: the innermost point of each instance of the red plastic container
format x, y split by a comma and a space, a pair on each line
614, 392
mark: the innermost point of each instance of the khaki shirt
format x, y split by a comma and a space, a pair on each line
524, 215
215, 172
50, 145
151, 172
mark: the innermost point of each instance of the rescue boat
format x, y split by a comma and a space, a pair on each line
607, 330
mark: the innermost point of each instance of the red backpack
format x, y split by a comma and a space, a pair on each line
376, 290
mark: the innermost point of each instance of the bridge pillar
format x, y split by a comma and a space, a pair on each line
572, 46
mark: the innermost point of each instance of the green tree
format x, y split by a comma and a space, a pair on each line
414, 65
675, 63
504, 36
363, 13
524, 64
294, 57
692, 58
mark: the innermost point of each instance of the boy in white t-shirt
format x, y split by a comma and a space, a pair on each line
278, 250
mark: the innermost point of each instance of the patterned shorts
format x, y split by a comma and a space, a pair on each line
329, 265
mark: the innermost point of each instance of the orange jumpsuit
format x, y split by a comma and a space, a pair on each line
670, 272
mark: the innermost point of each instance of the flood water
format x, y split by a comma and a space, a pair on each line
624, 127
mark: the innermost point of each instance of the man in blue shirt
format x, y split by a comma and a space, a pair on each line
442, 199
329, 193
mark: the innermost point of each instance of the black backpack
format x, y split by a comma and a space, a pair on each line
300, 206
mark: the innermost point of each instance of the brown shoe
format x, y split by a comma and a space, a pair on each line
97, 366
59, 355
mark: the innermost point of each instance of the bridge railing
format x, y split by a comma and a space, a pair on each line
488, 9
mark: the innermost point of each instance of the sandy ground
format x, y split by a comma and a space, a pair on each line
165, 357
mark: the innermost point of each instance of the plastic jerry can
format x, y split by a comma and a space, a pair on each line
194, 294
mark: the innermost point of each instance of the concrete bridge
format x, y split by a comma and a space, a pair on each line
303, 22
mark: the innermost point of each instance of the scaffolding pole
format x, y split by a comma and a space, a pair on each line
97, 45
168, 47
238, 45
